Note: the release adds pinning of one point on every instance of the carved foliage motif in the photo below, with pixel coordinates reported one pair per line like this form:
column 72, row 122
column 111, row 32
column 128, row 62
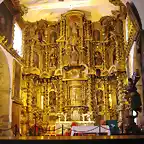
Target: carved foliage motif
column 67, row 54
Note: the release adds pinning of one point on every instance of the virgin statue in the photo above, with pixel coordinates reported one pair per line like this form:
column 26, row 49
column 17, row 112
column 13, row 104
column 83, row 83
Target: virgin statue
column 74, row 56
column 74, row 33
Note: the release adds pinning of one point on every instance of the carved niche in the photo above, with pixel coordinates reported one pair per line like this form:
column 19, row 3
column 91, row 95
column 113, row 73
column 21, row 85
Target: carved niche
column 74, row 29
column 36, row 59
column 98, row 58
column 96, row 35
column 53, row 37
column 52, row 100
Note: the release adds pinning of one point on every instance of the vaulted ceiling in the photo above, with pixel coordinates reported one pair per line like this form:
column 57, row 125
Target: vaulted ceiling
column 52, row 9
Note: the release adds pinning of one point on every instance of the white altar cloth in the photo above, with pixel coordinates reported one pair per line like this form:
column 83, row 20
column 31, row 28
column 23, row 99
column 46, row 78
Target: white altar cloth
column 90, row 129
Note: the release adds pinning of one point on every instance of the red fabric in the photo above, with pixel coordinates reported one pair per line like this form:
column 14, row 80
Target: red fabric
column 79, row 134
column 36, row 129
column 66, row 134
column 74, row 124
column 102, row 122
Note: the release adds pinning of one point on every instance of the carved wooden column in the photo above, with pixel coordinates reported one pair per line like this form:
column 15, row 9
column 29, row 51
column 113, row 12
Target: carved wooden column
column 87, row 43
column 47, row 62
column 29, row 100
column 89, row 93
column 58, row 98
column 120, row 70
column 62, row 43
column 31, row 53
column 44, row 95
column 106, row 85
column 120, row 97
column 61, row 94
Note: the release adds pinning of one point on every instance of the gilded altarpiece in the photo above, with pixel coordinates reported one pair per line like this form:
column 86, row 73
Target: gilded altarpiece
column 72, row 64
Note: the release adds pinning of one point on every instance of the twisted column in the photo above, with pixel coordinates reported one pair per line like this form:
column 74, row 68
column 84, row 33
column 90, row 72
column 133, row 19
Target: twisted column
column 29, row 100
column 107, row 99
column 87, row 44
column 120, row 94
column 31, row 53
column 47, row 59
column 61, row 94
column 45, row 95
column 89, row 94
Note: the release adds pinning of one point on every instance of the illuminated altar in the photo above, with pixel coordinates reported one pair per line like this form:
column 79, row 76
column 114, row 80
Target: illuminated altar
column 74, row 70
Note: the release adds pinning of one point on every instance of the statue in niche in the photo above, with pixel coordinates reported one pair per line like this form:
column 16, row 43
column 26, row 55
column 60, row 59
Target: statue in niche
column 75, row 96
column 98, row 58
column 52, row 100
column 107, row 58
column 36, row 60
column 96, row 35
column 75, row 115
column 74, row 33
column 74, row 56
column 52, row 58
column 74, row 29
column 134, row 96
column 74, row 73
column 53, row 85
column 99, row 95
column 53, row 37
column 108, row 24
column 41, row 36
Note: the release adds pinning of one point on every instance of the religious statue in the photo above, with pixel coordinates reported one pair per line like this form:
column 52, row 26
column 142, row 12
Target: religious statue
column 65, row 117
column 74, row 56
column 74, row 34
column 96, row 35
column 133, row 94
column 52, row 58
column 75, row 115
column 98, row 58
column 41, row 36
column 135, row 102
column 52, row 101
column 132, row 128
column 53, row 37
column 89, row 116
column 36, row 60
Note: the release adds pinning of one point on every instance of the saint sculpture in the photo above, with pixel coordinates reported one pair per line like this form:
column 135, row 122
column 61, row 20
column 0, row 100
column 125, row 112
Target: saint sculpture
column 135, row 102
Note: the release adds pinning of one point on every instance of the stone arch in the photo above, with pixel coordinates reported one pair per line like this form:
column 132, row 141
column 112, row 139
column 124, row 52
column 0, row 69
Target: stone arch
column 4, row 93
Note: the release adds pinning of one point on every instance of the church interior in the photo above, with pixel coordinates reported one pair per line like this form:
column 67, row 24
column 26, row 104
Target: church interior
column 69, row 62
